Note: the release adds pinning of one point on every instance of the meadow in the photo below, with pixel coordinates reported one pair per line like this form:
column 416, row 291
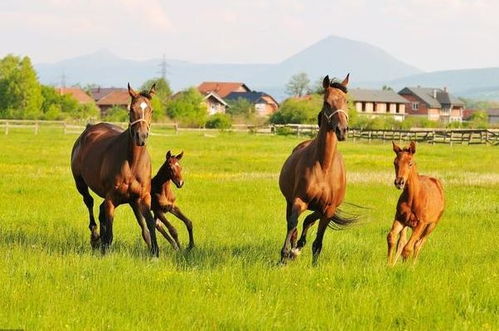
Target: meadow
column 51, row 279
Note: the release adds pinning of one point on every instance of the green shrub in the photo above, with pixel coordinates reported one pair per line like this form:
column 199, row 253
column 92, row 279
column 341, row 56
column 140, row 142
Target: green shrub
column 219, row 121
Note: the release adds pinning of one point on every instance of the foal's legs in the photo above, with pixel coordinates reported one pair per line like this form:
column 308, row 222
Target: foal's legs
column 307, row 224
column 106, row 216
column 188, row 224
column 415, row 236
column 175, row 243
column 419, row 244
column 89, row 202
column 317, row 245
column 402, row 242
column 391, row 239
column 293, row 211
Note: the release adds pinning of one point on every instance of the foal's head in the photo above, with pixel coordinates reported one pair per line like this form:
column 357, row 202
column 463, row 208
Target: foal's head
column 404, row 162
column 172, row 170
column 335, row 107
column 140, row 112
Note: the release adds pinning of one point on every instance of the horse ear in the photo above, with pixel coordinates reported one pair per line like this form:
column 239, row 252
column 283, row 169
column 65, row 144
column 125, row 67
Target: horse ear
column 178, row 157
column 326, row 82
column 132, row 92
column 396, row 148
column 345, row 81
column 152, row 91
column 168, row 155
column 412, row 147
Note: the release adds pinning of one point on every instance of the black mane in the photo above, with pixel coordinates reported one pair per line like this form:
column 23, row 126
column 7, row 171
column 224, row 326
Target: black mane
column 339, row 86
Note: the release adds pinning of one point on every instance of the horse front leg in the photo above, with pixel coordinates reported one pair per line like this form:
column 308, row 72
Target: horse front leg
column 106, row 216
column 140, row 215
column 145, row 208
column 415, row 236
column 159, row 216
column 391, row 240
column 188, row 224
column 293, row 211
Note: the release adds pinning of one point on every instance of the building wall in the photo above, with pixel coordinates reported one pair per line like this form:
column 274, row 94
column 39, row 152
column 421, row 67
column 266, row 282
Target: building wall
column 433, row 114
column 423, row 108
column 214, row 107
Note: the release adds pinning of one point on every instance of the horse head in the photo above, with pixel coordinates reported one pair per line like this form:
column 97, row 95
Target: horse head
column 173, row 168
column 404, row 163
column 335, row 107
column 140, row 113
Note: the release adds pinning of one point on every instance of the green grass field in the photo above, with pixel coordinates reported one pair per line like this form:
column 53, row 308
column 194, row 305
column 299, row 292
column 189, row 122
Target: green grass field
column 51, row 279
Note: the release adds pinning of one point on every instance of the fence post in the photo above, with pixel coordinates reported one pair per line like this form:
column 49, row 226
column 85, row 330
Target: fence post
column 6, row 127
column 175, row 125
column 36, row 127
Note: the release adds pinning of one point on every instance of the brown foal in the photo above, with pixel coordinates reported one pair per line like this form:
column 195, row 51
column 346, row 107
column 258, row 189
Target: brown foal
column 419, row 207
column 163, row 199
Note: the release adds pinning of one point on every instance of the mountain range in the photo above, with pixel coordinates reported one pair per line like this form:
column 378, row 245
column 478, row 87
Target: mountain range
column 369, row 66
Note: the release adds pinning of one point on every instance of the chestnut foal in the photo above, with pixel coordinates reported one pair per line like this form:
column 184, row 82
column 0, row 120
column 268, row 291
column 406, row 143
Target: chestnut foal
column 163, row 199
column 420, row 206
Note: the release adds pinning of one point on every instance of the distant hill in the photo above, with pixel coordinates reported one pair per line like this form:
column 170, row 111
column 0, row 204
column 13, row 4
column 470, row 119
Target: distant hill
column 332, row 55
column 369, row 66
column 480, row 83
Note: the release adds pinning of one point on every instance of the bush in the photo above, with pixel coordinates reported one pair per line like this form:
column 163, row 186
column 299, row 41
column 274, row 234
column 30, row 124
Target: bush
column 116, row 114
column 298, row 111
column 219, row 121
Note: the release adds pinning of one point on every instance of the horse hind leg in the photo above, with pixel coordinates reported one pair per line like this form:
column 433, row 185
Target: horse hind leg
column 317, row 245
column 89, row 202
column 307, row 224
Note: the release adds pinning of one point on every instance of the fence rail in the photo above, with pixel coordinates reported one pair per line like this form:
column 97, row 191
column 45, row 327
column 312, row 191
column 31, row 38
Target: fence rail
column 433, row 136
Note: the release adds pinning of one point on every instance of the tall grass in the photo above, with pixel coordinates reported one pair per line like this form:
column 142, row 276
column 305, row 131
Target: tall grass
column 50, row 278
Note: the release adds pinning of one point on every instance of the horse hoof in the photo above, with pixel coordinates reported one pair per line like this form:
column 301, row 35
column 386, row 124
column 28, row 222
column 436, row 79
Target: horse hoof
column 294, row 253
column 95, row 242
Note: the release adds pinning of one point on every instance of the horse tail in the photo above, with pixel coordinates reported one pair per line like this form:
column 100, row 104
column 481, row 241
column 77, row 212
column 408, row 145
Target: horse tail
column 343, row 219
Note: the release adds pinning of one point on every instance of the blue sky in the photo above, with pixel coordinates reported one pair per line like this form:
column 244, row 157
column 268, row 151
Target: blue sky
column 429, row 34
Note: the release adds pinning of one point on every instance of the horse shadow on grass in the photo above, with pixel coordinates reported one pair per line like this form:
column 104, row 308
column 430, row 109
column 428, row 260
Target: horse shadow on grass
column 208, row 255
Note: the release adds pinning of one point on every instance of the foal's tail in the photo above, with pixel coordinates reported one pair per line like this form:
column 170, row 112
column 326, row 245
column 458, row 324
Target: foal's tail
column 342, row 218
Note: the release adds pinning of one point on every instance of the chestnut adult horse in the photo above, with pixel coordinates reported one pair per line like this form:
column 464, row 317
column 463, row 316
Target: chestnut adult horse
column 419, row 207
column 313, row 177
column 115, row 164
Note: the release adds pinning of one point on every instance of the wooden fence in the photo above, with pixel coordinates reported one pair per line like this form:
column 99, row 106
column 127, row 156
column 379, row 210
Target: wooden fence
column 433, row 136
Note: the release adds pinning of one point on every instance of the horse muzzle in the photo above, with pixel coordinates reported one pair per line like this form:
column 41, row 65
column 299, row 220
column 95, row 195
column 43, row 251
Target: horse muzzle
column 399, row 183
column 179, row 183
column 341, row 133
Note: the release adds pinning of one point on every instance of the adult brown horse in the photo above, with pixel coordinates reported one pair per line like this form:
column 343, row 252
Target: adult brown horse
column 313, row 177
column 163, row 199
column 419, row 207
column 115, row 164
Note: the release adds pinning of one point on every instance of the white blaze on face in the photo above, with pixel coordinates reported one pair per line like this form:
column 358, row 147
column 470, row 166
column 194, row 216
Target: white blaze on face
column 143, row 106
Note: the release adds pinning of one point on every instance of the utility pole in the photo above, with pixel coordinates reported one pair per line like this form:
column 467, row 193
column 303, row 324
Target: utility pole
column 163, row 67
column 63, row 79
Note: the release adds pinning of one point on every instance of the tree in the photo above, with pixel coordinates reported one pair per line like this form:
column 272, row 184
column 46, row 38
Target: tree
column 386, row 88
column 160, row 99
column 298, row 111
column 20, row 91
column 188, row 108
column 298, row 85
column 241, row 107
